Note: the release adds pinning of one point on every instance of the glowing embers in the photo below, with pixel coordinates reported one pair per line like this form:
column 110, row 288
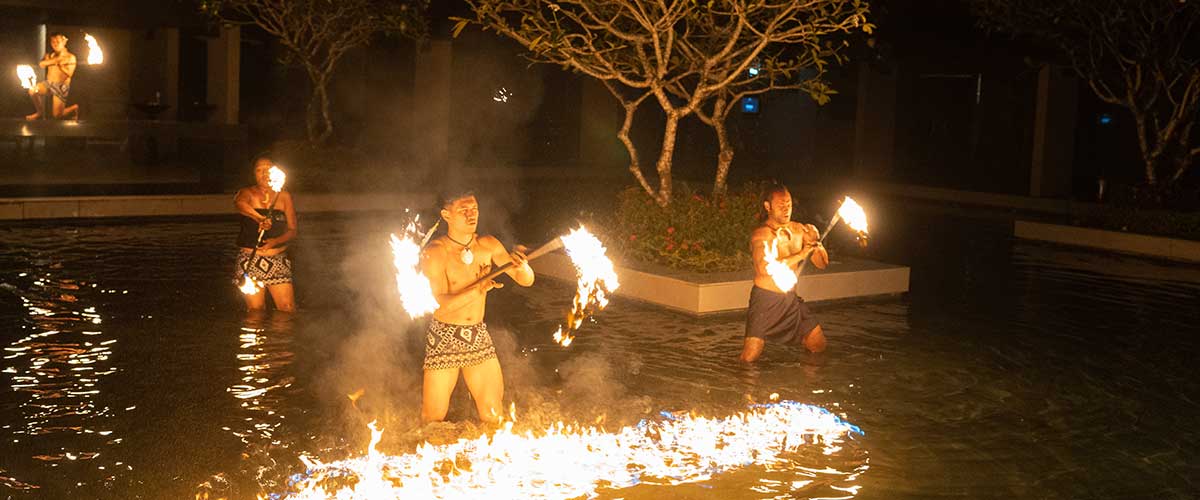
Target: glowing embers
column 572, row 462
column 597, row 279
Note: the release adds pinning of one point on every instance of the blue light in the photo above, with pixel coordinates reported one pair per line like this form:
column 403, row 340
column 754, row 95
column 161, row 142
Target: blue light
column 1105, row 118
column 749, row 104
column 753, row 71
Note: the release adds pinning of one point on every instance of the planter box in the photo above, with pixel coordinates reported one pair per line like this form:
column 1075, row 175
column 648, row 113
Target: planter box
column 1154, row 246
column 706, row 293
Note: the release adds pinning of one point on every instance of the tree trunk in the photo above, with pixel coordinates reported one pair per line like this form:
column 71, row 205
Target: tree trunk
column 664, row 159
column 725, row 153
column 635, row 165
column 1148, row 159
column 318, row 120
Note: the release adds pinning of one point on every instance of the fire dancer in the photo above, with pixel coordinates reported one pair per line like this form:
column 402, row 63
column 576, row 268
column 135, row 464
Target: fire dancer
column 271, row 266
column 457, row 338
column 60, row 67
column 780, row 315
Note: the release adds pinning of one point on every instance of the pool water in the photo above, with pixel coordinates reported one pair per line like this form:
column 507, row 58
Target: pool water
column 1012, row 370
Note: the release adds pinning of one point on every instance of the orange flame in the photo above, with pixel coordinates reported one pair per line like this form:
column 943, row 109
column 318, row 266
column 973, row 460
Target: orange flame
column 27, row 76
column 572, row 461
column 250, row 286
column 853, row 214
column 597, row 279
column 781, row 274
column 416, row 294
column 277, row 178
column 95, row 54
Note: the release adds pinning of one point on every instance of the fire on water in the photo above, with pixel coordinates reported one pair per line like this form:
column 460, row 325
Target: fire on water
column 596, row 280
column 572, row 462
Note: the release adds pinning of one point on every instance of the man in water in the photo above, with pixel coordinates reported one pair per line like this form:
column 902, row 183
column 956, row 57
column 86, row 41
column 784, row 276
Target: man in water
column 271, row 266
column 457, row 338
column 60, row 67
column 780, row 315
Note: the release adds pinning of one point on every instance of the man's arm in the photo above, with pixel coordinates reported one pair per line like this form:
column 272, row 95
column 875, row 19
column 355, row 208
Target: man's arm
column 520, row 272
column 68, row 65
column 758, row 241
column 434, row 267
column 289, row 212
column 48, row 60
column 811, row 241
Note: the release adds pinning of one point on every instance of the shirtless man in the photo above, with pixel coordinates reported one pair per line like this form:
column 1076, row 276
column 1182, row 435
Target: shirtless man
column 457, row 338
column 60, row 67
column 774, row 314
column 272, row 266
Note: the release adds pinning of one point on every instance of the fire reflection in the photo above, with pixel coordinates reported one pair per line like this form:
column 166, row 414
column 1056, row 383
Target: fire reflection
column 55, row 361
column 264, row 353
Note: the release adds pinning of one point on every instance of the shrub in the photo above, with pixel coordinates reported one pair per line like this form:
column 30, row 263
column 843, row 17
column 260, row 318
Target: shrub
column 695, row 233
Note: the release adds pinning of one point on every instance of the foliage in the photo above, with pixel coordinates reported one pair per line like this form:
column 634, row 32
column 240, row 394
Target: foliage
column 695, row 233
column 1141, row 55
column 316, row 34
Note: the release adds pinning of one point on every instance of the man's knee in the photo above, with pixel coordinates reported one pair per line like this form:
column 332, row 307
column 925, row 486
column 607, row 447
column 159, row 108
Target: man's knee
column 815, row 340
column 429, row 414
column 751, row 349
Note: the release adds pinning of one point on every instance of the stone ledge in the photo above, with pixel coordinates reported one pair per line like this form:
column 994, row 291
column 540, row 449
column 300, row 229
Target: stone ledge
column 88, row 207
column 725, row 292
column 1138, row 244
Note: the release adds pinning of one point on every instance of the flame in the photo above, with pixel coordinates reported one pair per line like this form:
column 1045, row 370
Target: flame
column 853, row 214
column 571, row 461
column 250, row 286
column 27, row 76
column 95, row 55
column 783, row 276
column 416, row 294
column 277, row 178
column 597, row 279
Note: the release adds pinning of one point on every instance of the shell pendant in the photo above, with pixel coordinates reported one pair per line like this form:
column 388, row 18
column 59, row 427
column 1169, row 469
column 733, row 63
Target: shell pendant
column 467, row 256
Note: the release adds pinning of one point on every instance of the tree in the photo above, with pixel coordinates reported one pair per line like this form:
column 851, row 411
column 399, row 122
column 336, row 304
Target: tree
column 1143, row 56
column 742, row 48
column 316, row 34
column 629, row 45
column 681, row 53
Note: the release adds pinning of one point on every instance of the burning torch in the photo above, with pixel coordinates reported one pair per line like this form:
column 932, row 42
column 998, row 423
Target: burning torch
column 853, row 214
column 277, row 179
column 550, row 246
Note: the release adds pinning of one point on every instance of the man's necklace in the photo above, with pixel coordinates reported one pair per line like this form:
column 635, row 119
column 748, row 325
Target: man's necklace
column 466, row 255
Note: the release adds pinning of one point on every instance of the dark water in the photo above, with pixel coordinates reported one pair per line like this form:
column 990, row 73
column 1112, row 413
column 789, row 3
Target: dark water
column 1012, row 370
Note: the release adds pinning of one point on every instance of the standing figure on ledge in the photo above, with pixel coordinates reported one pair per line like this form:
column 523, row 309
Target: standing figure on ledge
column 60, row 67
column 271, row 265
column 777, row 315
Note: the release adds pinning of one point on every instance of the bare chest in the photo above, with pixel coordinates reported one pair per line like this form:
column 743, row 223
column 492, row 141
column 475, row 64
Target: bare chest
column 459, row 273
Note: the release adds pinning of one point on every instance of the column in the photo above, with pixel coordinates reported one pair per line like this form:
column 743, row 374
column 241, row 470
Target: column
column 224, row 65
column 1053, row 134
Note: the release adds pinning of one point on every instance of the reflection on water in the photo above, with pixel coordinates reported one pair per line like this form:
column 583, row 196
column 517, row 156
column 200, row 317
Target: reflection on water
column 57, row 362
column 263, row 357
